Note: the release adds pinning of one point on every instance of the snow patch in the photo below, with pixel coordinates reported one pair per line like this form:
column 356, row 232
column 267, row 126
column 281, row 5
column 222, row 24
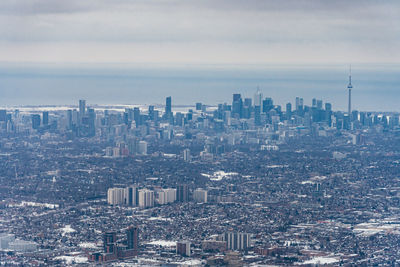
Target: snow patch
column 162, row 243
column 219, row 175
column 67, row 230
column 88, row 245
column 321, row 260
column 72, row 259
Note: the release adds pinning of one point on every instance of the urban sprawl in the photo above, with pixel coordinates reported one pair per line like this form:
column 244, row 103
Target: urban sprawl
column 239, row 184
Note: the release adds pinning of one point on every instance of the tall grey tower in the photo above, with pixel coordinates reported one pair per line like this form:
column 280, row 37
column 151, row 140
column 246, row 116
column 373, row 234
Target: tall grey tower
column 349, row 87
column 258, row 98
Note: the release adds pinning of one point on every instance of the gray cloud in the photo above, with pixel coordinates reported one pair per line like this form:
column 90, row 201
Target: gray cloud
column 37, row 7
column 363, row 26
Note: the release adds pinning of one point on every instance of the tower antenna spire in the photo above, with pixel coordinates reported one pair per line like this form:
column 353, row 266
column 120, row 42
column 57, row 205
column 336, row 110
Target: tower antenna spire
column 350, row 75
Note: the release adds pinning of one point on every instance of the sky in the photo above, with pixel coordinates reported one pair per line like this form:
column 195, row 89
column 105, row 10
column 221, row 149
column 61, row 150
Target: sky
column 200, row 32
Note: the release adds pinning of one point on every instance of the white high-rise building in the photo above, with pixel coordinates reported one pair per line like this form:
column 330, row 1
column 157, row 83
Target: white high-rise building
column 142, row 149
column 258, row 98
column 170, row 195
column 237, row 241
column 146, row 198
column 161, row 197
column 116, row 152
column 165, row 196
column 200, row 195
column 116, row 196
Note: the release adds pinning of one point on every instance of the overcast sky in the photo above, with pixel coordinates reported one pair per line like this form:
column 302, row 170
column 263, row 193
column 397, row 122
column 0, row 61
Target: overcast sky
column 203, row 31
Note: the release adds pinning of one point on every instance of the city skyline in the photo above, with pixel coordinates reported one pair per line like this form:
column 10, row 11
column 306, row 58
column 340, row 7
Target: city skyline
column 376, row 88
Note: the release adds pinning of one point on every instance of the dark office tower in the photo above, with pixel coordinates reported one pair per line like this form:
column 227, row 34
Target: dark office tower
column 297, row 103
column 35, row 121
column 278, row 109
column 247, row 102
column 136, row 116
column 109, row 240
column 268, row 104
column 133, row 238
column 156, row 115
column 328, row 106
column 198, row 106
column 45, row 118
column 220, row 112
column 151, row 113
column 289, row 107
column 91, row 122
column 82, row 110
column 69, row 119
column 257, row 115
column 349, row 87
column 288, row 111
column 168, row 106
column 189, row 115
column 236, row 97
column 132, row 191
column 179, row 118
column 237, row 105
column 182, row 193
column 363, row 118
column 82, row 107
column 314, row 103
column 183, row 248
column 125, row 117
column 3, row 115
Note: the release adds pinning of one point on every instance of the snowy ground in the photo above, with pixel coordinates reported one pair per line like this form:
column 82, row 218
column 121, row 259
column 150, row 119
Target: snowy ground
column 160, row 219
column 34, row 204
column 219, row 175
column 388, row 226
column 162, row 243
column 88, row 245
column 322, row 260
column 72, row 259
column 67, row 230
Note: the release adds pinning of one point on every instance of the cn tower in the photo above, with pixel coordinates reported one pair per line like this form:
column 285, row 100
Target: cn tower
column 349, row 87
